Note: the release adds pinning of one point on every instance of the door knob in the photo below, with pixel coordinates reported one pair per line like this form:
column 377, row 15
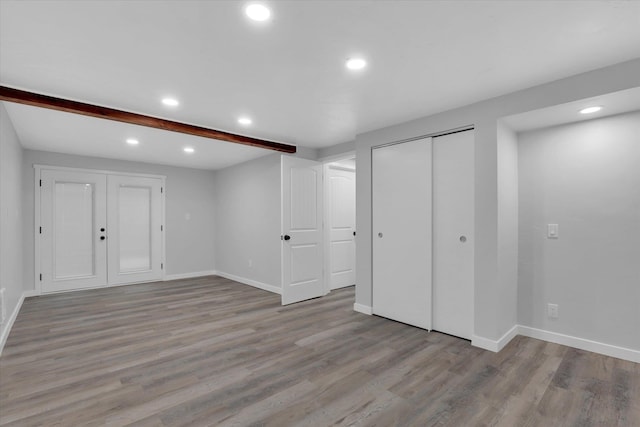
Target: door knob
column 463, row 239
column 102, row 237
column 354, row 233
column 102, row 229
column 380, row 235
column 287, row 237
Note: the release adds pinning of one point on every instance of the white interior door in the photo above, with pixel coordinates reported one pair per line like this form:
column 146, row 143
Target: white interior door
column 453, row 233
column 302, row 255
column 401, row 179
column 341, row 223
column 134, row 229
column 73, row 219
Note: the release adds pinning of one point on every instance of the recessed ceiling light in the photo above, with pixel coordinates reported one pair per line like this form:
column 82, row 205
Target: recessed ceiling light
column 171, row 102
column 257, row 12
column 132, row 141
column 246, row 121
column 356, row 63
column 188, row 150
column 590, row 110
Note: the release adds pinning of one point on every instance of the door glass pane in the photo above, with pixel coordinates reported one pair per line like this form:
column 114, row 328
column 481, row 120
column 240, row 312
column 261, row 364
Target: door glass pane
column 135, row 228
column 74, row 225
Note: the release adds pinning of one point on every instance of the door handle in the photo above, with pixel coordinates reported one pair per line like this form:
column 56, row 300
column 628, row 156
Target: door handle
column 463, row 239
column 102, row 237
column 287, row 237
column 102, row 230
column 354, row 233
column 380, row 235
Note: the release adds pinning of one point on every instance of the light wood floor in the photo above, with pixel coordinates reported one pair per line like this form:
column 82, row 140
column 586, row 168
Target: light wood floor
column 210, row 351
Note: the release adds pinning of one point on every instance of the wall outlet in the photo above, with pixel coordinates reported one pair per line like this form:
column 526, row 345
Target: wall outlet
column 552, row 311
column 552, row 231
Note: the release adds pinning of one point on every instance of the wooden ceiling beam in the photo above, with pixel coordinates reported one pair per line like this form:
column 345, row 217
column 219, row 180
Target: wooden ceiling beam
column 53, row 103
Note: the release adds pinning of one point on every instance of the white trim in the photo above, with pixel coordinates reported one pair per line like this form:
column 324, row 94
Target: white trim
column 250, row 282
column 38, row 168
column 189, row 275
column 326, row 232
column 37, row 220
column 495, row 345
column 361, row 308
column 335, row 157
column 9, row 323
column 581, row 343
column 554, row 337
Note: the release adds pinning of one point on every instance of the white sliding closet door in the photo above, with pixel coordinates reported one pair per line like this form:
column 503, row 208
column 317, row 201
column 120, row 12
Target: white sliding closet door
column 453, row 233
column 401, row 179
column 134, row 229
column 71, row 231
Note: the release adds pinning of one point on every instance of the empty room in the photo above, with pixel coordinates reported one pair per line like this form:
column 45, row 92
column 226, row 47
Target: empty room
column 282, row 213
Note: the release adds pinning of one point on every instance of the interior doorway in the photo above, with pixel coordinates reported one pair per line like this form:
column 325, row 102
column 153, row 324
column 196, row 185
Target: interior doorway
column 340, row 223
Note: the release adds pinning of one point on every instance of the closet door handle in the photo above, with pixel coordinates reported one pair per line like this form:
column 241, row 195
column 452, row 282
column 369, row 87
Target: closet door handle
column 287, row 237
column 102, row 237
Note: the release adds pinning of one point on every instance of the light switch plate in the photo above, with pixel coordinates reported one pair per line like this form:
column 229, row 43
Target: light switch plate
column 552, row 231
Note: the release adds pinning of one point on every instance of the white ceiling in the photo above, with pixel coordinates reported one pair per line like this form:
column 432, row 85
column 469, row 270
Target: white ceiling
column 288, row 74
column 49, row 130
column 614, row 103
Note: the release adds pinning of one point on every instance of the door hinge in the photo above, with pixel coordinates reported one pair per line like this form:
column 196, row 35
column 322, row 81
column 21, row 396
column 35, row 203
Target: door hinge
column 161, row 190
column 41, row 277
column 161, row 266
column 40, row 230
column 162, row 228
column 40, row 183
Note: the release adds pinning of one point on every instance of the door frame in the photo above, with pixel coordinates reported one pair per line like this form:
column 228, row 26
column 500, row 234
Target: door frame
column 327, row 214
column 37, row 215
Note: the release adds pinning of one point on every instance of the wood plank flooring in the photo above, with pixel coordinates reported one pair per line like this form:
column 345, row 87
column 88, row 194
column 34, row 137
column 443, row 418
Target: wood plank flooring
column 210, row 351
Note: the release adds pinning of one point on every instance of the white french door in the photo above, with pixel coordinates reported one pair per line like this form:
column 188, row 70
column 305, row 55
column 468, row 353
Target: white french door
column 401, row 180
column 302, row 254
column 73, row 247
column 98, row 229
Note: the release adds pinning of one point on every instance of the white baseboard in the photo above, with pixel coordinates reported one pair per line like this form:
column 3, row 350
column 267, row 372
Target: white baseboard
column 250, row 282
column 189, row 275
column 554, row 337
column 581, row 343
column 495, row 345
column 9, row 323
column 364, row 309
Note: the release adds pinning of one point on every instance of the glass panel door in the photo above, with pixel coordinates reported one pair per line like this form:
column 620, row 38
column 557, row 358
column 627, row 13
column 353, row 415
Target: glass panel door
column 135, row 235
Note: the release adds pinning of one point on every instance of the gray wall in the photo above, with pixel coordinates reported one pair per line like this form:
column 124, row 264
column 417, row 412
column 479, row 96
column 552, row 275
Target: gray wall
column 585, row 177
column 248, row 220
column 189, row 243
column 484, row 116
column 11, row 216
column 507, row 224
